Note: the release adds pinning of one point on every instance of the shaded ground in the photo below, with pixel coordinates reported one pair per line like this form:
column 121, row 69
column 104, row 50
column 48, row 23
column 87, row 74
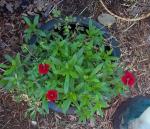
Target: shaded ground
column 134, row 38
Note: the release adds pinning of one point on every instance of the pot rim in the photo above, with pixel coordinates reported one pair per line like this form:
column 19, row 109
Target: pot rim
column 84, row 22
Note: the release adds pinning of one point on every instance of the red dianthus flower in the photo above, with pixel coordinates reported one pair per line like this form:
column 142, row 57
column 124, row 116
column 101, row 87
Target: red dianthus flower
column 52, row 95
column 128, row 79
column 43, row 68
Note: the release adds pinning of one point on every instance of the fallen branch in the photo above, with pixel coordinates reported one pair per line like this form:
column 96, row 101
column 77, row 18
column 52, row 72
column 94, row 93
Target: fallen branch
column 123, row 18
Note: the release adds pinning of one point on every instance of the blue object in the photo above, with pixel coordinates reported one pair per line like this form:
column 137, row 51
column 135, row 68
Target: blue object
column 130, row 110
column 54, row 107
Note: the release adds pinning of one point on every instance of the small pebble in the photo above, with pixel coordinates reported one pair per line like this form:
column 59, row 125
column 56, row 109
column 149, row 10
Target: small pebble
column 34, row 123
column 72, row 118
column 9, row 6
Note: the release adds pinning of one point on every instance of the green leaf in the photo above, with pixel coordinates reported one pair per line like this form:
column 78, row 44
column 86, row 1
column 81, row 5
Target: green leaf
column 8, row 58
column 80, row 60
column 73, row 74
column 54, row 70
column 92, row 79
column 97, row 69
column 73, row 61
column 60, row 90
column 100, row 113
column 10, row 71
column 42, row 33
column 66, row 105
column 2, row 81
column 66, row 84
column 9, row 86
column 33, row 115
column 73, row 97
column 27, row 58
column 41, row 111
column 110, row 52
column 79, row 69
column 18, row 61
column 3, row 65
column 56, row 12
column 36, row 20
column 45, row 105
column 27, row 20
column 55, row 61
column 28, row 31
column 80, row 52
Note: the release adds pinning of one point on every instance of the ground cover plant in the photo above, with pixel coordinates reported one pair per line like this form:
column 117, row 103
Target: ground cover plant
column 70, row 67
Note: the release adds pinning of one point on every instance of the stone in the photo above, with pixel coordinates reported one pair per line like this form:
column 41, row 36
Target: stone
column 106, row 19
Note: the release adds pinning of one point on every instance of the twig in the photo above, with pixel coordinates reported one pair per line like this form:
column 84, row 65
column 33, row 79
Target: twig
column 55, row 6
column 130, row 25
column 83, row 10
column 2, row 70
column 6, row 124
column 50, row 8
column 123, row 18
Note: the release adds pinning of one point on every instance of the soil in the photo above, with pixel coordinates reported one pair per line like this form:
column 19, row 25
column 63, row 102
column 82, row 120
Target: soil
column 11, row 113
column 134, row 38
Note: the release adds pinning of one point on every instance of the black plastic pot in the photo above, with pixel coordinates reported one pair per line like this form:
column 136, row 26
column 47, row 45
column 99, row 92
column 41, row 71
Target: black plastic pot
column 84, row 22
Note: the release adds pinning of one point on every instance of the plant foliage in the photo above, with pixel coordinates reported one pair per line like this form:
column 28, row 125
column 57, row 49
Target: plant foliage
column 85, row 75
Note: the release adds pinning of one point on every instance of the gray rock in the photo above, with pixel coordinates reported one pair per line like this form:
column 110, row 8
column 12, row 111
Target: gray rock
column 106, row 19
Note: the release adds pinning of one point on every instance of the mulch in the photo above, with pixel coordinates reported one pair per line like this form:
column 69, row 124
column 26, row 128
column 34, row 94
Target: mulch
column 134, row 38
column 12, row 113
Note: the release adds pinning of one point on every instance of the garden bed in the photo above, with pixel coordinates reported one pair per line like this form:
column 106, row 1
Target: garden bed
column 135, row 46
